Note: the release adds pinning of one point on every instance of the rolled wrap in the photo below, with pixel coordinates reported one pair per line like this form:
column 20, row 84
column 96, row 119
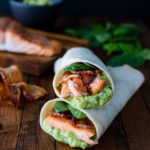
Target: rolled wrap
column 74, row 55
column 126, row 81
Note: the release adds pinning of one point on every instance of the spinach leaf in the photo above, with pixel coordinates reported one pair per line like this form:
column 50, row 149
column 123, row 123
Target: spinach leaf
column 111, row 47
column 121, row 39
column 76, row 113
column 132, row 60
column 79, row 66
column 71, row 32
column 145, row 54
column 61, row 106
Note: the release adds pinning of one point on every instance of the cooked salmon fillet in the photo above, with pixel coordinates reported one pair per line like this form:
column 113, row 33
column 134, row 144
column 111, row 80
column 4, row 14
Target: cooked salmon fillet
column 81, row 83
column 76, row 86
column 4, row 22
column 80, row 130
column 97, row 85
column 65, row 91
column 19, row 40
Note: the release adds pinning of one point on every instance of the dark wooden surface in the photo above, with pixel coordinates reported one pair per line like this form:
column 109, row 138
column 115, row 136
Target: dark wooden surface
column 20, row 129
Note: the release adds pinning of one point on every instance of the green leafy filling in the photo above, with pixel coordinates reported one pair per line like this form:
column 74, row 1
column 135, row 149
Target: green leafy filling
column 63, row 106
column 80, row 66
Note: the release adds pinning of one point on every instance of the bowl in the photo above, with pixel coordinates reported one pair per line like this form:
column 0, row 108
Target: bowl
column 35, row 16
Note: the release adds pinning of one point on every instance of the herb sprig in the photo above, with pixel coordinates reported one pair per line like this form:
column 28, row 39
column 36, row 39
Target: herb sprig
column 122, row 39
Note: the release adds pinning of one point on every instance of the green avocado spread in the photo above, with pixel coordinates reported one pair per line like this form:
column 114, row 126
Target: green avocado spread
column 96, row 100
column 65, row 137
column 38, row 2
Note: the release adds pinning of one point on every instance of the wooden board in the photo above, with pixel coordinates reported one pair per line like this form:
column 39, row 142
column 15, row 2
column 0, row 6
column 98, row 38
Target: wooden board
column 20, row 129
column 38, row 65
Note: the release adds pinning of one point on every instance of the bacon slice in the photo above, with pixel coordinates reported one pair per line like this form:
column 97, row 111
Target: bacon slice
column 13, row 89
column 19, row 40
column 84, row 129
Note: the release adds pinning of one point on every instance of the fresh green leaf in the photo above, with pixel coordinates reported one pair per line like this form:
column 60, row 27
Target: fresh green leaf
column 76, row 113
column 127, row 47
column 61, row 106
column 111, row 47
column 102, row 36
column 110, row 27
column 71, row 32
column 132, row 60
column 123, row 39
column 145, row 54
column 79, row 66
column 87, row 64
column 127, row 29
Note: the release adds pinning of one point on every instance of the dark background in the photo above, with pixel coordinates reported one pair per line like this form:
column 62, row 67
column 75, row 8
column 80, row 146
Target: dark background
column 134, row 9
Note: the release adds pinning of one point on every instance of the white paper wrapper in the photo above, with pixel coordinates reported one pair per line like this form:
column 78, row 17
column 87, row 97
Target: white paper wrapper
column 77, row 54
column 126, row 81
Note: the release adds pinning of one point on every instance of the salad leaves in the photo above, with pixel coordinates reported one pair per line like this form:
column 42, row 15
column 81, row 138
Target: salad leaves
column 80, row 66
column 120, row 39
column 62, row 106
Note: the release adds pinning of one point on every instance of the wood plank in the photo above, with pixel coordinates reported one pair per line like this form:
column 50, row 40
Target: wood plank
column 10, row 119
column 136, row 121
column 31, row 136
column 145, row 90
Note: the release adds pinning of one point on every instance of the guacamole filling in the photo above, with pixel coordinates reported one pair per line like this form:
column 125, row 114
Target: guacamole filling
column 85, row 86
column 38, row 2
column 65, row 137
column 70, row 125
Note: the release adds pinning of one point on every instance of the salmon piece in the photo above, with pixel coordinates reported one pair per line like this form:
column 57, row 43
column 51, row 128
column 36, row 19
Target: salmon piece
column 19, row 40
column 97, row 85
column 65, row 91
column 76, row 86
column 4, row 22
column 66, row 76
column 83, row 133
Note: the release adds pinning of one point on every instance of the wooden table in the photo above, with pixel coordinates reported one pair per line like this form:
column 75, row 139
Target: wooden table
column 129, row 131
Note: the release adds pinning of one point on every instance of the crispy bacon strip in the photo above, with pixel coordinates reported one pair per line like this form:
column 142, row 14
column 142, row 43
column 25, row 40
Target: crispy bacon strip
column 13, row 90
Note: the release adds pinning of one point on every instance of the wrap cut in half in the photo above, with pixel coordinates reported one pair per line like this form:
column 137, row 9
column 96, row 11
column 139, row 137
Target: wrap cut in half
column 13, row 89
column 82, row 79
column 83, row 127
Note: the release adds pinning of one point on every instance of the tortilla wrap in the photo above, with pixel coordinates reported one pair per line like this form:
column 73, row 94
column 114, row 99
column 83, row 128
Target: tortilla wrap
column 74, row 55
column 126, row 81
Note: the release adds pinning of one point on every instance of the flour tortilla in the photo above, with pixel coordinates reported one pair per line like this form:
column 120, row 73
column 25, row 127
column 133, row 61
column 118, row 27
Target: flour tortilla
column 126, row 81
column 74, row 55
